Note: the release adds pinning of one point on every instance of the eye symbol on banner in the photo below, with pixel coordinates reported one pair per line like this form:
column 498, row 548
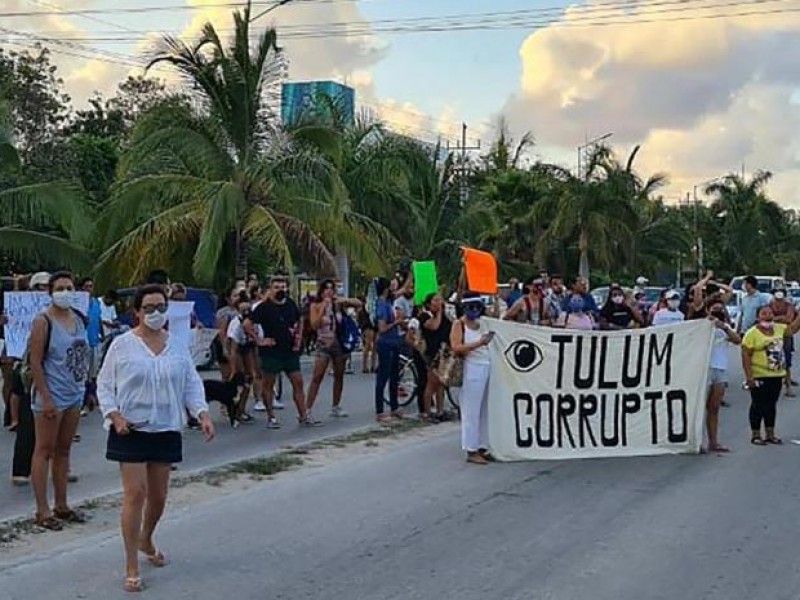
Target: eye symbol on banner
column 524, row 356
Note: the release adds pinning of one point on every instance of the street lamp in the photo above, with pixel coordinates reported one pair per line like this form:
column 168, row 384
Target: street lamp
column 698, row 237
column 589, row 144
column 278, row 4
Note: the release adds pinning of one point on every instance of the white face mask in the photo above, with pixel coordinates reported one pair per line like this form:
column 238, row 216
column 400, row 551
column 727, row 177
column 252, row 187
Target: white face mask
column 779, row 296
column 62, row 299
column 155, row 320
column 673, row 304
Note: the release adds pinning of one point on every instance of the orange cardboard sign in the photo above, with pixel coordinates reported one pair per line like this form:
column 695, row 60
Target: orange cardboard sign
column 481, row 268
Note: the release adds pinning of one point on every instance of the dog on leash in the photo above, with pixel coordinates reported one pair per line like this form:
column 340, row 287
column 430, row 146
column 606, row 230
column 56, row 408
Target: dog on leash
column 226, row 393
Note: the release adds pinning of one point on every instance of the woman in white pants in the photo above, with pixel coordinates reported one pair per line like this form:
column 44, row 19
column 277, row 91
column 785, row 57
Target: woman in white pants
column 471, row 340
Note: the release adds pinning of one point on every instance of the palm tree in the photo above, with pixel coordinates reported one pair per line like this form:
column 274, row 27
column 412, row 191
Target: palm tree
column 47, row 223
column 597, row 210
column 222, row 178
column 751, row 224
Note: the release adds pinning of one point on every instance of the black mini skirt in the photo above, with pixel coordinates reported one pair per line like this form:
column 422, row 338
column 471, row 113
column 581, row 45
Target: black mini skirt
column 142, row 447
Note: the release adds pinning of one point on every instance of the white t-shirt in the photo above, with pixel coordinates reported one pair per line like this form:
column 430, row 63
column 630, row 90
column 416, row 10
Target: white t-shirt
column 236, row 331
column 719, row 351
column 666, row 316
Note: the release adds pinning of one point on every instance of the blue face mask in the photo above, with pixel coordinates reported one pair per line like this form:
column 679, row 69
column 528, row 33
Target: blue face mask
column 473, row 313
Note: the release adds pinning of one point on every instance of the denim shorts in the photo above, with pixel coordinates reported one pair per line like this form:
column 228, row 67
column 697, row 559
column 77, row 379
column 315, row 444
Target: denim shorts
column 717, row 377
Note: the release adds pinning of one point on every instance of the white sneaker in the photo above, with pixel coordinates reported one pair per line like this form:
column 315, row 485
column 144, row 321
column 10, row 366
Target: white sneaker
column 259, row 406
column 311, row 421
column 273, row 423
column 278, row 405
column 338, row 412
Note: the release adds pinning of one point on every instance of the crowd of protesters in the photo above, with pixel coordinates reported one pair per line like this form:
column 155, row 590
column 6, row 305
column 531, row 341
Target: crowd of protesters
column 148, row 390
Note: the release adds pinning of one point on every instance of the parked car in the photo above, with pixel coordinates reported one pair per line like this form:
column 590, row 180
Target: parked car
column 205, row 309
column 734, row 308
column 766, row 283
column 794, row 294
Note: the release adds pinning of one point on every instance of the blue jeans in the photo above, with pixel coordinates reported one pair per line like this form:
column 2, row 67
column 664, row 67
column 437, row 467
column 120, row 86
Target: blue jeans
column 388, row 372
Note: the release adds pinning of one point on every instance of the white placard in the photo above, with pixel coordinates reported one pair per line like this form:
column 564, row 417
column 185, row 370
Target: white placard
column 21, row 308
column 179, row 320
column 557, row 394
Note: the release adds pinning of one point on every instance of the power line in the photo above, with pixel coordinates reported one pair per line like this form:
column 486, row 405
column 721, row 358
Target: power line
column 511, row 20
column 146, row 9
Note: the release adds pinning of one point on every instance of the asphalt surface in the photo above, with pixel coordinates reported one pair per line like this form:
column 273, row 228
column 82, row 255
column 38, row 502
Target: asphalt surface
column 416, row 521
column 97, row 476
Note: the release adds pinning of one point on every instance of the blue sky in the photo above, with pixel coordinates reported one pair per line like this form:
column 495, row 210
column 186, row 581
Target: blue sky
column 702, row 96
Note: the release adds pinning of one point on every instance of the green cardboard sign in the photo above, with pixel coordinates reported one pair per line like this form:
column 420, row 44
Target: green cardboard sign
column 425, row 281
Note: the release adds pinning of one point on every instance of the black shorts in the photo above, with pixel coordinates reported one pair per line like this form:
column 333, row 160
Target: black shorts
column 142, row 447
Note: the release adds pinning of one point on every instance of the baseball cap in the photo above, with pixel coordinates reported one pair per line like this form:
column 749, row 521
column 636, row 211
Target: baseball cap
column 40, row 278
column 672, row 295
column 642, row 280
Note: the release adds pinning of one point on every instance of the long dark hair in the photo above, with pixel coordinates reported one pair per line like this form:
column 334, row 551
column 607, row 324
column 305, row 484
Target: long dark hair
column 323, row 285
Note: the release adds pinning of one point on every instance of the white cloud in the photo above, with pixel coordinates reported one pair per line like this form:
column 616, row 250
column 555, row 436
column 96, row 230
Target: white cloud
column 702, row 96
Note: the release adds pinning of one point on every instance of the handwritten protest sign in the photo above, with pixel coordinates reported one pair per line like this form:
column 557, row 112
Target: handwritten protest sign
column 425, row 281
column 22, row 308
column 179, row 320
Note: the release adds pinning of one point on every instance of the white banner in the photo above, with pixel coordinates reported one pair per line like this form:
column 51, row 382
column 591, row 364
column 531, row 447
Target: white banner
column 201, row 347
column 556, row 394
column 21, row 308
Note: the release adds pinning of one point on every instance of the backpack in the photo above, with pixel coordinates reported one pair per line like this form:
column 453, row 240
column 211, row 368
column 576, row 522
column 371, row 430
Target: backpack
column 347, row 333
column 23, row 367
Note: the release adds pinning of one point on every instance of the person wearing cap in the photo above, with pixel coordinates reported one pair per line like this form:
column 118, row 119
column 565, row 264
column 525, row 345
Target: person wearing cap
column 470, row 338
column 641, row 282
column 669, row 315
column 40, row 281
column 531, row 308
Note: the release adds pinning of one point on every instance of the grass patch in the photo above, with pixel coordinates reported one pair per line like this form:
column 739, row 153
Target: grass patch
column 264, row 467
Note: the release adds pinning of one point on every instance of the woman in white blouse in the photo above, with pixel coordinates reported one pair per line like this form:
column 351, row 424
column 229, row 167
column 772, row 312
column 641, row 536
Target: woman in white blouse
column 145, row 387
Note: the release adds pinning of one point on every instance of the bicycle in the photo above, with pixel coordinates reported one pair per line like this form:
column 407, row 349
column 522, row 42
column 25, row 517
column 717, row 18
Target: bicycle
column 408, row 387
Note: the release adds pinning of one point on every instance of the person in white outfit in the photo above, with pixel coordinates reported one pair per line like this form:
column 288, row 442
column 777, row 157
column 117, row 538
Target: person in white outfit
column 470, row 339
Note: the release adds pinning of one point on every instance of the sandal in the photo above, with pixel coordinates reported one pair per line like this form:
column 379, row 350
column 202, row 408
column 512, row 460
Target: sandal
column 718, row 448
column 157, row 558
column 70, row 516
column 774, row 440
column 757, row 441
column 133, row 585
column 476, row 458
column 51, row 523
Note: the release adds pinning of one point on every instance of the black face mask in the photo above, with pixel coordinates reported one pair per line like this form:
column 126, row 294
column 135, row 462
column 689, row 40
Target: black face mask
column 280, row 295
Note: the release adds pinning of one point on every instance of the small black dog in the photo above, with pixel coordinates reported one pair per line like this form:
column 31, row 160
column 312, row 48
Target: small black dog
column 225, row 392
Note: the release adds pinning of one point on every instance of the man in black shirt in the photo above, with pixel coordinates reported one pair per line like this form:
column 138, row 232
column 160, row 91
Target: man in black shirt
column 279, row 348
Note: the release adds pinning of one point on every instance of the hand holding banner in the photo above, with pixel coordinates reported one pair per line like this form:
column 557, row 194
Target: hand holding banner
column 481, row 270
column 425, row 281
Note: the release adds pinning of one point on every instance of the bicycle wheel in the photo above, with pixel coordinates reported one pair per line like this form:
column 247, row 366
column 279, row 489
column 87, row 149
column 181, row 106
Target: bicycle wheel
column 453, row 397
column 408, row 388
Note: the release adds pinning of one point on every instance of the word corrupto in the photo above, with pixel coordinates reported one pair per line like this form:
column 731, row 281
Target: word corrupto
column 598, row 401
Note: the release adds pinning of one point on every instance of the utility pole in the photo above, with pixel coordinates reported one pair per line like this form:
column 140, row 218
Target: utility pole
column 462, row 149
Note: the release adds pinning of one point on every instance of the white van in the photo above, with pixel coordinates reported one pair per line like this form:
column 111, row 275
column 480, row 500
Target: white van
column 766, row 283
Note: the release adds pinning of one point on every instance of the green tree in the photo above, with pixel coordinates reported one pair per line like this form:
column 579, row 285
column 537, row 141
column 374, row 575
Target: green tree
column 43, row 225
column 222, row 181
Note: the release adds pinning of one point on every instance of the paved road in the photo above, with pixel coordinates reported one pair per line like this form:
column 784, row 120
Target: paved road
column 418, row 522
column 98, row 476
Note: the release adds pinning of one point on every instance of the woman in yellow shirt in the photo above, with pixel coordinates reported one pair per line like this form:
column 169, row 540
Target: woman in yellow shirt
column 764, row 364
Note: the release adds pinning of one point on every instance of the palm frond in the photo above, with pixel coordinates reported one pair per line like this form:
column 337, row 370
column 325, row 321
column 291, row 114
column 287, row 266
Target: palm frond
column 44, row 249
